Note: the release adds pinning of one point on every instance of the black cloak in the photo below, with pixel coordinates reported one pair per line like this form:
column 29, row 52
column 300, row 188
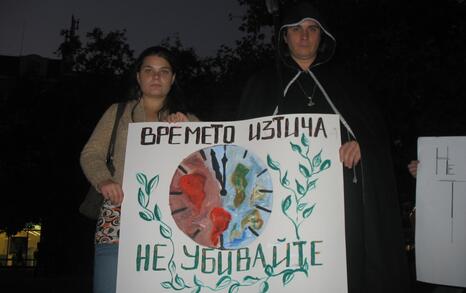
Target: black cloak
column 376, row 261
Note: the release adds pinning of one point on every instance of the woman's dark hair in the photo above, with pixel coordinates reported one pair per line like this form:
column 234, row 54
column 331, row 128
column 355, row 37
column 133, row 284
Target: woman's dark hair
column 174, row 102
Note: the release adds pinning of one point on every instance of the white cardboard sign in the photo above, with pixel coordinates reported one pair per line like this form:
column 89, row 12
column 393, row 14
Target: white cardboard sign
column 246, row 206
column 441, row 211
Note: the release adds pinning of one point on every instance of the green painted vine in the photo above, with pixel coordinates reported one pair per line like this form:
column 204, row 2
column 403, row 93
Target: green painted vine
column 299, row 194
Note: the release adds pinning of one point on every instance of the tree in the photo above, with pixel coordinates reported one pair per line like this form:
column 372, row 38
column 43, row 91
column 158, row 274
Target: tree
column 103, row 54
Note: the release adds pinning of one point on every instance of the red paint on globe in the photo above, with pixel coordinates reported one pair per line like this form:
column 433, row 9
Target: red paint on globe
column 220, row 219
column 193, row 186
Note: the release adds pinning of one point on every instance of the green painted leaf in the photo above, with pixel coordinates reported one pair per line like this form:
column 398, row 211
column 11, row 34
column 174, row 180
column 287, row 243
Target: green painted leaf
column 272, row 164
column 296, row 148
column 157, row 213
column 180, row 281
column 223, row 282
column 307, row 212
column 300, row 188
column 165, row 231
column 269, row 270
column 304, row 171
column 145, row 216
column 196, row 290
column 285, row 181
column 281, row 239
column 142, row 199
column 250, row 280
column 142, row 179
column 234, row 288
column 304, row 140
column 152, row 183
column 264, row 287
column 325, row 165
column 287, row 277
column 198, row 282
column 317, row 160
column 311, row 185
column 167, row 285
column 301, row 206
column 172, row 267
column 306, row 268
column 286, row 203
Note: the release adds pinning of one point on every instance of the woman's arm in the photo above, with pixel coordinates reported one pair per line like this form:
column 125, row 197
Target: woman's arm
column 94, row 154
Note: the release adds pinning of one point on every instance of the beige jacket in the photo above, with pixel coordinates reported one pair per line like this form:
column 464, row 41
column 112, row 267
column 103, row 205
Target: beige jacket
column 93, row 156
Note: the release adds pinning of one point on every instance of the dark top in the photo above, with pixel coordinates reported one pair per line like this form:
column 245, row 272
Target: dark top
column 376, row 261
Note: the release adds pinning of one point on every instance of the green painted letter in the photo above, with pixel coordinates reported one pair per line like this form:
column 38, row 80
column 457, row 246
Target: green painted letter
column 314, row 253
column 195, row 257
column 139, row 257
column 156, row 257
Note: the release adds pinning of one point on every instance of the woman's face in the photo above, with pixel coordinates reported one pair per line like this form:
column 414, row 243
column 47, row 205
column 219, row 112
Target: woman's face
column 155, row 77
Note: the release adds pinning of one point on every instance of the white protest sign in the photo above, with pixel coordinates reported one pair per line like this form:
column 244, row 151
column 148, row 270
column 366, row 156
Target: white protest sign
column 246, row 206
column 441, row 211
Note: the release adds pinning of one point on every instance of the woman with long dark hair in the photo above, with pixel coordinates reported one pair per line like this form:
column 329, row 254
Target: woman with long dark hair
column 154, row 96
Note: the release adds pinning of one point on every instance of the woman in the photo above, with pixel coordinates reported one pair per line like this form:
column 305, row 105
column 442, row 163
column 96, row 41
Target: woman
column 154, row 97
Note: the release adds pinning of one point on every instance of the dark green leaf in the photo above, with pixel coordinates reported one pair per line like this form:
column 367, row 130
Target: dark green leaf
column 167, row 285
column 325, row 165
column 269, row 270
column 306, row 267
column 304, row 140
column 307, row 212
column 287, row 277
column 152, row 183
column 223, row 282
column 172, row 267
column 300, row 188
column 301, row 206
column 196, row 290
column 285, row 181
column 264, row 287
column 311, row 185
column 198, row 282
column 165, row 231
column 142, row 179
column 180, row 281
column 142, row 199
column 272, row 164
column 286, row 203
column 317, row 160
column 296, row 148
column 146, row 216
column 250, row 280
column 304, row 171
column 157, row 213
column 234, row 288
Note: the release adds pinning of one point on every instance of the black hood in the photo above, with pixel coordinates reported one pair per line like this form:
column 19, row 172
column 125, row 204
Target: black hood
column 295, row 15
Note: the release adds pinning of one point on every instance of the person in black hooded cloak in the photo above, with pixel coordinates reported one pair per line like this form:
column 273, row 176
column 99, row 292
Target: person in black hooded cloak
column 305, row 81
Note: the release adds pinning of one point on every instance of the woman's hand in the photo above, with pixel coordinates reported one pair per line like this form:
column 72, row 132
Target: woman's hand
column 177, row 117
column 412, row 167
column 350, row 154
column 112, row 191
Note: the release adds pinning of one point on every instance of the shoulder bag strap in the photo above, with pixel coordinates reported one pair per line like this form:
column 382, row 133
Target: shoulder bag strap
column 111, row 146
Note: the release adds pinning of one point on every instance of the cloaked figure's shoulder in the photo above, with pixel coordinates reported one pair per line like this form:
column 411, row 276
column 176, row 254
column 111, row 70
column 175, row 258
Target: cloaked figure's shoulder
column 260, row 94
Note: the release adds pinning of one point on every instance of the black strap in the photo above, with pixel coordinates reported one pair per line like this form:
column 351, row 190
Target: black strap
column 111, row 146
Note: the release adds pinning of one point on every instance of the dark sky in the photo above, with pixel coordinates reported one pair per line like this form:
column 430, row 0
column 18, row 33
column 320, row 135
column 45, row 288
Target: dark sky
column 33, row 26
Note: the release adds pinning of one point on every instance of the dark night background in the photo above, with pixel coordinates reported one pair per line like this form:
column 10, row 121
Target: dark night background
column 410, row 54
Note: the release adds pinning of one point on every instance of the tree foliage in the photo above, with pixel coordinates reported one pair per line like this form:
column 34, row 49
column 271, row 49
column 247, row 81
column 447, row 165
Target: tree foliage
column 103, row 54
